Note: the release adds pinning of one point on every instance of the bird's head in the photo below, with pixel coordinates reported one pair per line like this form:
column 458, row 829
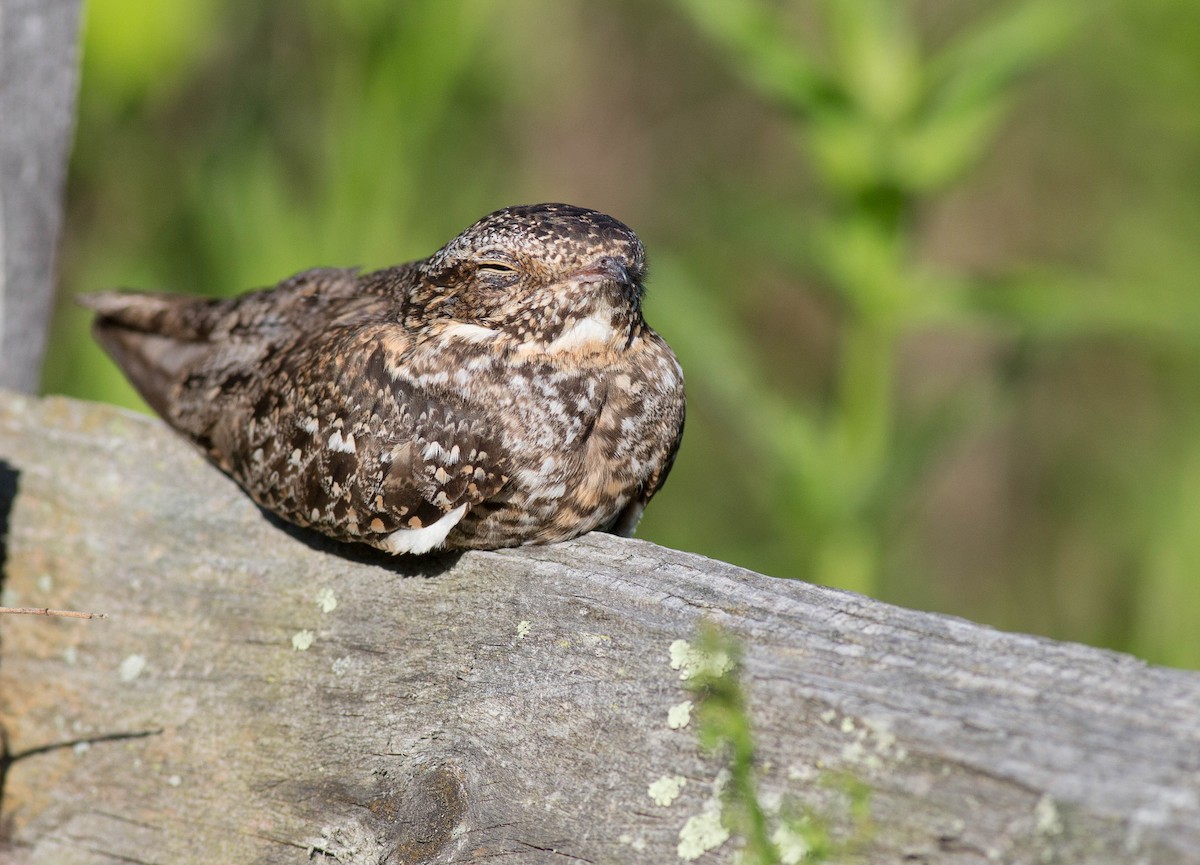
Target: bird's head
column 546, row 276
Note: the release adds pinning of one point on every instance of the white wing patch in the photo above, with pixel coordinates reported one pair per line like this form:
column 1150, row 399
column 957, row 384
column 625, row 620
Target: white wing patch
column 472, row 333
column 342, row 445
column 422, row 540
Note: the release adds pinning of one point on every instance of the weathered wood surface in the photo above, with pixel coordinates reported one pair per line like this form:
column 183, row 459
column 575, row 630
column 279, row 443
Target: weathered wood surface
column 38, row 78
column 420, row 726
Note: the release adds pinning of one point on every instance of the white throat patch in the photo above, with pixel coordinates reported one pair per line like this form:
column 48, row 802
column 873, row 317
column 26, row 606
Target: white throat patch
column 595, row 330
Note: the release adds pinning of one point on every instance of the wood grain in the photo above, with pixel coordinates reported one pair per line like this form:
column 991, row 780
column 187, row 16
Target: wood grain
column 423, row 722
column 39, row 74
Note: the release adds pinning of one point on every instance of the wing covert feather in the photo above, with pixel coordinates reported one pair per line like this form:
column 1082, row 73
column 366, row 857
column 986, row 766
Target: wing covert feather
column 347, row 441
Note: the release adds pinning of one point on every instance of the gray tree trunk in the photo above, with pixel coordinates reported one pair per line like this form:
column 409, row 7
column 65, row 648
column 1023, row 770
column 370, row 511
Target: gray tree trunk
column 38, row 79
column 257, row 696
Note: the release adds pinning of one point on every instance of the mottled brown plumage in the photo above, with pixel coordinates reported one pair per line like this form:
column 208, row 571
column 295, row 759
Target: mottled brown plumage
column 506, row 390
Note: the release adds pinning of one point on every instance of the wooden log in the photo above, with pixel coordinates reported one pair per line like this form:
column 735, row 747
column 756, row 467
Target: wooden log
column 38, row 81
column 260, row 695
column 39, row 74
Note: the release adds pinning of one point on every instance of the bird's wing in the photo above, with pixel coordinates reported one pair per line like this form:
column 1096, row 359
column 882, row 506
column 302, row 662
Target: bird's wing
column 340, row 435
column 303, row 396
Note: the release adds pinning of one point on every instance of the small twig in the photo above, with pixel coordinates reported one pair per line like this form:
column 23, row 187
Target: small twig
column 46, row 611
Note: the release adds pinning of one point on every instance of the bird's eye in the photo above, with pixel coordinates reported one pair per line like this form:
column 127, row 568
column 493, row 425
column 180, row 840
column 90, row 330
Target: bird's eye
column 496, row 272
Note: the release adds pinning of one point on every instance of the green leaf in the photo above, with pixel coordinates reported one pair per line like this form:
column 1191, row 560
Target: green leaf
column 721, row 361
column 766, row 55
column 1050, row 304
column 133, row 48
column 930, row 155
column 981, row 64
column 847, row 148
column 878, row 57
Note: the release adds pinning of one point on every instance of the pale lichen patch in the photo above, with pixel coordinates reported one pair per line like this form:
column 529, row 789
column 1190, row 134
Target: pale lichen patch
column 1048, row 821
column 666, row 789
column 884, row 740
column 872, row 743
column 326, row 600
column 301, row 640
column 856, row 752
column 637, row 844
column 806, row 774
column 702, row 832
column 131, row 668
column 522, row 629
column 705, row 831
column 793, row 847
column 691, row 661
column 679, row 715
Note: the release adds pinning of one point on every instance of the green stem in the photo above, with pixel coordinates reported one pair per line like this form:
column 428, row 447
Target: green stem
column 864, row 404
column 847, row 556
column 862, row 414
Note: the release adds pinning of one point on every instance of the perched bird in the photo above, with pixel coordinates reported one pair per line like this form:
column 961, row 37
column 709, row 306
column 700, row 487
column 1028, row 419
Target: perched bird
column 504, row 391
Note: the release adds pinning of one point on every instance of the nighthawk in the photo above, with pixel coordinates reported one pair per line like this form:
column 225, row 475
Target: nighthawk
column 504, row 391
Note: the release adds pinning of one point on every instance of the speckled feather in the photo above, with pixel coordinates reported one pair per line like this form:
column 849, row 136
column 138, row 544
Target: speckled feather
column 506, row 390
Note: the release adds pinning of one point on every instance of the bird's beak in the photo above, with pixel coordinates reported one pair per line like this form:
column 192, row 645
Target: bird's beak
column 606, row 269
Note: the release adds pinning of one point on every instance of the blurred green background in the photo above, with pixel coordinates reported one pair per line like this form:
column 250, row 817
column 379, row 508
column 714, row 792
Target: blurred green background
column 931, row 267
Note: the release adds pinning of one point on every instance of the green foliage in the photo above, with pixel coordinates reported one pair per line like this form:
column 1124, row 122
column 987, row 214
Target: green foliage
column 885, row 127
column 239, row 193
column 829, row 190
column 723, row 725
column 796, row 833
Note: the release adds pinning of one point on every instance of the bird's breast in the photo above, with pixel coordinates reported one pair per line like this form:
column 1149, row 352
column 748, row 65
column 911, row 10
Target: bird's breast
column 582, row 441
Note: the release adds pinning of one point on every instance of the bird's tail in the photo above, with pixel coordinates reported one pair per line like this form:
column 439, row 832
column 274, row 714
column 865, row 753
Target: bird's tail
column 152, row 338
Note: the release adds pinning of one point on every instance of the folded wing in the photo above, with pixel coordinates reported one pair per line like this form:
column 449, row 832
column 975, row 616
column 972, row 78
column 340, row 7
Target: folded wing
column 324, row 427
